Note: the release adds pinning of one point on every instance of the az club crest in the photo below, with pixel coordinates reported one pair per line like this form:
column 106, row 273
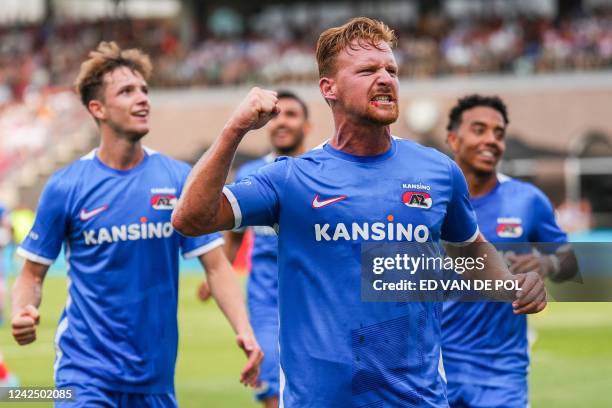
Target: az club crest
column 417, row 199
column 509, row 227
column 163, row 202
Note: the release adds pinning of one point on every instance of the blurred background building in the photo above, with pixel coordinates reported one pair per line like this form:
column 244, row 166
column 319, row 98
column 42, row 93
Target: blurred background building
column 551, row 60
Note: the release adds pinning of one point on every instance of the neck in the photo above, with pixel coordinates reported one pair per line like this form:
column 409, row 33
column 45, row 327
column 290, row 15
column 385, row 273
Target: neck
column 360, row 139
column 479, row 184
column 119, row 153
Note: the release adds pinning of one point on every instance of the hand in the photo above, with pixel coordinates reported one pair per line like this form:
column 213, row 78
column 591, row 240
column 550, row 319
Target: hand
column 204, row 291
column 24, row 325
column 259, row 106
column 531, row 298
column 250, row 373
column 530, row 263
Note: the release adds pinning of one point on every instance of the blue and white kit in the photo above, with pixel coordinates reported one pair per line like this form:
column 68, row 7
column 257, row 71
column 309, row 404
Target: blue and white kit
column 335, row 350
column 118, row 331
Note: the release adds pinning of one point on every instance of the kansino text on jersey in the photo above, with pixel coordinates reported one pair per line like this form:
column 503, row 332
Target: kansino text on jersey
column 446, row 285
column 130, row 232
column 377, row 231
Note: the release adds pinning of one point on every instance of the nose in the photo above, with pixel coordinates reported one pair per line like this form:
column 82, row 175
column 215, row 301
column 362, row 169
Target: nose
column 142, row 98
column 384, row 77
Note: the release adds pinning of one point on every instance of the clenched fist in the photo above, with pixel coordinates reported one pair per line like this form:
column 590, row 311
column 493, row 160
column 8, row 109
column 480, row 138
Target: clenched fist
column 24, row 325
column 532, row 296
column 255, row 110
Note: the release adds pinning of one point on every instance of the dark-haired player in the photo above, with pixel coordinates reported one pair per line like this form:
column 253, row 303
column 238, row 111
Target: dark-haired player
column 335, row 350
column 116, row 342
column 485, row 344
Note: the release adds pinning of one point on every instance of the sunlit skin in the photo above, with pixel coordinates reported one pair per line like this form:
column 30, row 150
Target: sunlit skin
column 363, row 74
column 479, row 144
column 122, row 112
column 288, row 129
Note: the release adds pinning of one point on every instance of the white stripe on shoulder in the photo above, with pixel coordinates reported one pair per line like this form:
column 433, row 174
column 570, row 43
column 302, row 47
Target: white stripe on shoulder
column 90, row 155
column 149, row 150
column 502, row 178
column 204, row 248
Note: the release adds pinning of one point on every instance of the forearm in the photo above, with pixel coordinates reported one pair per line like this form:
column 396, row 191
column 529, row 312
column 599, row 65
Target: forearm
column 226, row 290
column 197, row 211
column 564, row 266
column 494, row 267
column 27, row 290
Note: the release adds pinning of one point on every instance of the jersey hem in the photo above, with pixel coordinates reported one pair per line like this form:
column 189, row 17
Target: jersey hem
column 30, row 256
column 204, row 248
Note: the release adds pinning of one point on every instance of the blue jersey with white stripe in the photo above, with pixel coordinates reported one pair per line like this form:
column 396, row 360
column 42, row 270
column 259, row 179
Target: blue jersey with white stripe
column 337, row 351
column 486, row 343
column 262, row 286
column 118, row 330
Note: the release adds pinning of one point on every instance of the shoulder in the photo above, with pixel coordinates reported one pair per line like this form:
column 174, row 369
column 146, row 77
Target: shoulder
column 405, row 146
column 174, row 166
column 523, row 190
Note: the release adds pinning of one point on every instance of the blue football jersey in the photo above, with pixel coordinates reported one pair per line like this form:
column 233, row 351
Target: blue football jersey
column 118, row 330
column 486, row 343
column 262, row 286
column 337, row 351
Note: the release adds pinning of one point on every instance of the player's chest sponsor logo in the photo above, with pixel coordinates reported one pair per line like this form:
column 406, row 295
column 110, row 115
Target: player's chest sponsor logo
column 85, row 214
column 372, row 231
column 318, row 202
column 128, row 232
column 509, row 227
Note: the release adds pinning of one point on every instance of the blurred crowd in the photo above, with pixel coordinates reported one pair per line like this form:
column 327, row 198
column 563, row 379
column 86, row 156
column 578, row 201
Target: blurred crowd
column 41, row 56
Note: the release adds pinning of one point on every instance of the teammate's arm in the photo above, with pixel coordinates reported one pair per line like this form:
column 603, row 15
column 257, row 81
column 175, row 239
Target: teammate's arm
column 233, row 240
column 532, row 296
column 228, row 295
column 203, row 208
column 27, row 295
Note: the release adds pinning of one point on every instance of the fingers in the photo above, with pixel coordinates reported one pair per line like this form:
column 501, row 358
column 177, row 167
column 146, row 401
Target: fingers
column 24, row 329
column 250, row 373
column 525, row 265
column 32, row 311
column 536, row 306
column 532, row 294
column 24, row 325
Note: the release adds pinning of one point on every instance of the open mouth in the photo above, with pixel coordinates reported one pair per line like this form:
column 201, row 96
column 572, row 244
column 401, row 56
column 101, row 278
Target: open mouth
column 487, row 155
column 141, row 114
column 379, row 100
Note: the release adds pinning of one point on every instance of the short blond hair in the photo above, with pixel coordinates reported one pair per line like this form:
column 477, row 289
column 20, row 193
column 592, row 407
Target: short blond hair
column 363, row 29
column 105, row 58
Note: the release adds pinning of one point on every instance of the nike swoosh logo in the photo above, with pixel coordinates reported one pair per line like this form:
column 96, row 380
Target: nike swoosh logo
column 85, row 215
column 318, row 204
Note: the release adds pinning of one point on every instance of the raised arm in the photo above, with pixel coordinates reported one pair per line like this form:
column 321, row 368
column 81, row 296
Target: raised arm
column 203, row 208
column 27, row 295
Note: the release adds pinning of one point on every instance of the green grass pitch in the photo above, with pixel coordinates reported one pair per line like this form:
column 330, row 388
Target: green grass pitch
column 571, row 357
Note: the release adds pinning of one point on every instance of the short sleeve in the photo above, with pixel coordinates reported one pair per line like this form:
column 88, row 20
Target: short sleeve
column 545, row 227
column 197, row 246
column 44, row 242
column 255, row 198
column 460, row 225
